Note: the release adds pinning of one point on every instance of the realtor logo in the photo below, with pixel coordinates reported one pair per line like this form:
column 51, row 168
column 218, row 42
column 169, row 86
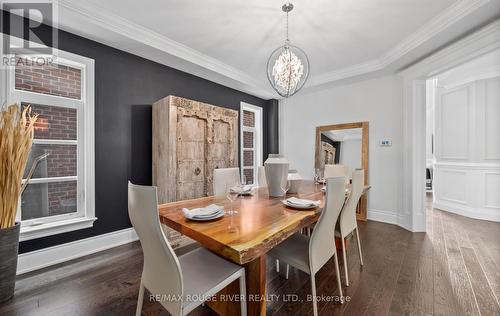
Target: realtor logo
column 29, row 31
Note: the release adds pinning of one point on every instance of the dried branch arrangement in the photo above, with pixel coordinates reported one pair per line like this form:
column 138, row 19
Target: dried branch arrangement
column 16, row 138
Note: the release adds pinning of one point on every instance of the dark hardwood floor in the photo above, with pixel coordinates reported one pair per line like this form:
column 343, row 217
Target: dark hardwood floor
column 454, row 269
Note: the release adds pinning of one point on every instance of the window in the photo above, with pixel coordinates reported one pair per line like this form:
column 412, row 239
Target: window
column 251, row 141
column 60, row 195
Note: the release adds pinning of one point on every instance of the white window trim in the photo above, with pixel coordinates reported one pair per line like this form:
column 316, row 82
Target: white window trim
column 85, row 216
column 257, row 141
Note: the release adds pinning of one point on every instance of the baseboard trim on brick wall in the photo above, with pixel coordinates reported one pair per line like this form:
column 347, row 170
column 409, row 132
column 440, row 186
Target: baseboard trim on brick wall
column 383, row 216
column 42, row 258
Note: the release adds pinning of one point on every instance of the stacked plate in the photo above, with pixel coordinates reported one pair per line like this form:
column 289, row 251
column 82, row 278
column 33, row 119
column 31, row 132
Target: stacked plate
column 208, row 213
column 301, row 204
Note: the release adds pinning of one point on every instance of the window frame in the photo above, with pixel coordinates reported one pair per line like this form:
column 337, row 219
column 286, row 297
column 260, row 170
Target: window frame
column 84, row 217
column 257, row 139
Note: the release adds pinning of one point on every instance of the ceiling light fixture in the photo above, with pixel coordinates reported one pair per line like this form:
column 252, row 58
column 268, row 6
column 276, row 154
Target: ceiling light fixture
column 288, row 65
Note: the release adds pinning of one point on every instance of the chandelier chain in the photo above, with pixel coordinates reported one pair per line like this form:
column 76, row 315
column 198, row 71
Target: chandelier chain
column 287, row 40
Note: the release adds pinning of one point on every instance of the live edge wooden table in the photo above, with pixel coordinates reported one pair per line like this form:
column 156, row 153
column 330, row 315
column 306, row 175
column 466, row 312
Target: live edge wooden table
column 261, row 223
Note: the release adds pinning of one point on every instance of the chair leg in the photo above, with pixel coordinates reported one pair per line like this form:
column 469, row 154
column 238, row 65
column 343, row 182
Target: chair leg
column 313, row 291
column 345, row 261
column 359, row 246
column 337, row 272
column 140, row 300
column 243, row 294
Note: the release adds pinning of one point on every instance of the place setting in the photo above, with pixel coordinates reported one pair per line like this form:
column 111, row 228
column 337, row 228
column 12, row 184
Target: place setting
column 295, row 202
column 208, row 213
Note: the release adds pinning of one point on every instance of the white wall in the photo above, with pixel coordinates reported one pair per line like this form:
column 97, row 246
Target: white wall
column 350, row 154
column 467, row 168
column 378, row 101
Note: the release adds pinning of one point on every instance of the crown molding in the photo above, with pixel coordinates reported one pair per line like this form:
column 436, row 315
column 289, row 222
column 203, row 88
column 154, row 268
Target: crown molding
column 351, row 71
column 223, row 73
column 102, row 18
column 432, row 28
column 474, row 45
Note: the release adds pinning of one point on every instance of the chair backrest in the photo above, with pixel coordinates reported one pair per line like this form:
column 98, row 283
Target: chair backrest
column 336, row 171
column 161, row 273
column 322, row 243
column 225, row 178
column 261, row 171
column 348, row 215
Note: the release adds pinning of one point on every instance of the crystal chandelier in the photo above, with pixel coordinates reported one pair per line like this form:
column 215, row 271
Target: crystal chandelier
column 288, row 65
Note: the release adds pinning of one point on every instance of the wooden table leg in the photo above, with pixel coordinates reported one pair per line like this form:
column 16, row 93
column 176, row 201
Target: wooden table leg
column 255, row 273
column 256, row 286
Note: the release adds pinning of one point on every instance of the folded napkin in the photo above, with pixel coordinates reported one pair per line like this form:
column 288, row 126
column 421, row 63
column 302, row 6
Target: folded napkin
column 203, row 212
column 242, row 189
column 303, row 202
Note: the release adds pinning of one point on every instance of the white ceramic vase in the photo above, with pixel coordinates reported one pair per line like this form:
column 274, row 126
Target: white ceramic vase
column 276, row 172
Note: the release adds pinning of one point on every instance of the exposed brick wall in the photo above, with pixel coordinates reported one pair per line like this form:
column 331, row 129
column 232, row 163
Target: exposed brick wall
column 53, row 79
column 247, row 140
column 62, row 197
column 54, row 122
column 61, row 162
column 247, row 158
column 47, row 199
column 248, row 118
column 249, row 175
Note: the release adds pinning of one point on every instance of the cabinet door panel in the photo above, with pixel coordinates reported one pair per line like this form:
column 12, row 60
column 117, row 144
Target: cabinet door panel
column 191, row 132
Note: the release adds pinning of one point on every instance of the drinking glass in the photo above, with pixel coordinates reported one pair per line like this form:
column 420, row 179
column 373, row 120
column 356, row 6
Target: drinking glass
column 317, row 175
column 285, row 186
column 231, row 196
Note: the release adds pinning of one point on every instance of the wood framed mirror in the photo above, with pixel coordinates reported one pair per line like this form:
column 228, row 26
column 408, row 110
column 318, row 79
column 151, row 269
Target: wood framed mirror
column 345, row 144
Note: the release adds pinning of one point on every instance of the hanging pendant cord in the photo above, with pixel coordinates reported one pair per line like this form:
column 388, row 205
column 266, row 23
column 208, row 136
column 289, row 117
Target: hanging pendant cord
column 287, row 40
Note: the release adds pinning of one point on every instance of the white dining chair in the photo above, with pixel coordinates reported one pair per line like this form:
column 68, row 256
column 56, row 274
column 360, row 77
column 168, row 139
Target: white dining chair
column 347, row 221
column 193, row 276
column 261, row 176
column 225, row 178
column 336, row 171
column 309, row 254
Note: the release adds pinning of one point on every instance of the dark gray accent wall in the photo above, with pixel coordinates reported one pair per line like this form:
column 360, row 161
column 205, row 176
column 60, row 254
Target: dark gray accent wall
column 125, row 87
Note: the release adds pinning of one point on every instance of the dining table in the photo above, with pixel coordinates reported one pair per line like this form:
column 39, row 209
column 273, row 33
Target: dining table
column 261, row 223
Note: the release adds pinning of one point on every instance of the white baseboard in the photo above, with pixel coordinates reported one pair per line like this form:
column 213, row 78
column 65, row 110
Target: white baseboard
column 383, row 216
column 42, row 258
column 486, row 214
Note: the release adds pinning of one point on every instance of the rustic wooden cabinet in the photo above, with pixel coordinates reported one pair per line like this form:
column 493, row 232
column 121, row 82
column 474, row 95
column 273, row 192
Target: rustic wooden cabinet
column 190, row 140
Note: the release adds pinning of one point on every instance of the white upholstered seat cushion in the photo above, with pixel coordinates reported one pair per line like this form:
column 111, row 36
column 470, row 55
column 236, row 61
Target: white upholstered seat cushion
column 294, row 251
column 202, row 270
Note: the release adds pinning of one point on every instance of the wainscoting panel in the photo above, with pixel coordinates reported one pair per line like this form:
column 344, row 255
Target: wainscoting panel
column 492, row 190
column 467, row 156
column 453, row 124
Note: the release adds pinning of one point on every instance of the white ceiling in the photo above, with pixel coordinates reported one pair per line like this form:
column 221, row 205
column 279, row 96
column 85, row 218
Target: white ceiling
column 228, row 41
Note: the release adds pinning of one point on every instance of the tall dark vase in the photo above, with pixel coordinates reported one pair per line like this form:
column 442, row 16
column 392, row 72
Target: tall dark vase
column 9, row 245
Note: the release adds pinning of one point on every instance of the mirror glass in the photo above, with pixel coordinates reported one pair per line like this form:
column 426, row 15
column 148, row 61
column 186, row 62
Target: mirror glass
column 341, row 146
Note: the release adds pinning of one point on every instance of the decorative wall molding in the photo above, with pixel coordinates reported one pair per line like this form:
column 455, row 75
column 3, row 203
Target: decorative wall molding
column 472, row 212
column 383, row 216
column 98, row 16
column 414, row 158
column 438, row 24
column 92, row 14
column 53, row 255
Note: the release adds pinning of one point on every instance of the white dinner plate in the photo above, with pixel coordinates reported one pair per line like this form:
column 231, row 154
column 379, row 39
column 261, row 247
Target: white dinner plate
column 299, row 207
column 207, row 218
